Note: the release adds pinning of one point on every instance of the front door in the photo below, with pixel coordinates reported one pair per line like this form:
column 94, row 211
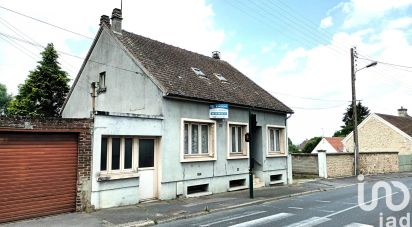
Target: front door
column 147, row 169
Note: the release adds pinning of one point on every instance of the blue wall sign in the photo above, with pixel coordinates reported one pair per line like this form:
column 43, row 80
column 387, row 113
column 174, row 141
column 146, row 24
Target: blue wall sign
column 219, row 111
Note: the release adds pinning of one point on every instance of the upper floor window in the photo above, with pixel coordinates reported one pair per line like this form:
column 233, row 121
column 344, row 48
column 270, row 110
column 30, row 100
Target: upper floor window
column 198, row 72
column 102, row 82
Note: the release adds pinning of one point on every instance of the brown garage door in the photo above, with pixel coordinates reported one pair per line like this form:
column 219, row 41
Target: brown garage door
column 38, row 174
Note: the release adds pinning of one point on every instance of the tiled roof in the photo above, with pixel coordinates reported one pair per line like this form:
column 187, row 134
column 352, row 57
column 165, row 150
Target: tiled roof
column 402, row 123
column 336, row 143
column 172, row 68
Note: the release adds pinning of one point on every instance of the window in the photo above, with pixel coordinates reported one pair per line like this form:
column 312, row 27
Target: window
column 220, row 77
column 198, row 140
column 102, row 82
column 198, row 72
column 117, row 154
column 237, row 145
column 276, row 140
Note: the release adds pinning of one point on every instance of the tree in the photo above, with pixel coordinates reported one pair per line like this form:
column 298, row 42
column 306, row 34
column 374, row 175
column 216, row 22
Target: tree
column 362, row 113
column 311, row 144
column 45, row 89
column 5, row 99
column 292, row 147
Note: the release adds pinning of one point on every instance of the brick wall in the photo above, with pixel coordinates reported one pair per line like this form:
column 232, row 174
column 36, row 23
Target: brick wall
column 82, row 127
column 375, row 136
column 305, row 164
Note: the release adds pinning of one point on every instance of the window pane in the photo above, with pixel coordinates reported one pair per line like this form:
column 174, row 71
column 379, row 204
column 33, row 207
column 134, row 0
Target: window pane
column 277, row 139
column 195, row 139
column 186, row 139
column 205, row 139
column 128, row 144
column 146, row 153
column 103, row 156
column 239, row 139
column 233, row 138
column 115, row 153
column 271, row 140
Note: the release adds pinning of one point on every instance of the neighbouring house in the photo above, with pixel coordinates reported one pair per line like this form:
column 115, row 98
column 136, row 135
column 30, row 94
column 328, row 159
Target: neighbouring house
column 330, row 145
column 169, row 122
column 382, row 132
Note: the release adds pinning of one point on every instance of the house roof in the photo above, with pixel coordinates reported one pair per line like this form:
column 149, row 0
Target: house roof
column 402, row 123
column 172, row 67
column 336, row 143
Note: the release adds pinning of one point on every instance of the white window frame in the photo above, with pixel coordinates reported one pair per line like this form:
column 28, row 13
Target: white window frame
column 212, row 147
column 135, row 145
column 245, row 151
column 282, row 141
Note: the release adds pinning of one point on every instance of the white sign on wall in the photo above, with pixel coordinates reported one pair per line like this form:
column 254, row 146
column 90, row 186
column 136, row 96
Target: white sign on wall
column 219, row 111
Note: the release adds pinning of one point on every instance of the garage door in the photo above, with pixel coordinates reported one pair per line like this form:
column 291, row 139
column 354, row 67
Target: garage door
column 38, row 174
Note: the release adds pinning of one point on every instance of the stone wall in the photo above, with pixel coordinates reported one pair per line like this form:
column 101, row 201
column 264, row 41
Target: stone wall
column 305, row 164
column 339, row 164
column 80, row 126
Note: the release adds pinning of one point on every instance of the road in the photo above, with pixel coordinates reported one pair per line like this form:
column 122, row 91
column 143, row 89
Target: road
column 329, row 208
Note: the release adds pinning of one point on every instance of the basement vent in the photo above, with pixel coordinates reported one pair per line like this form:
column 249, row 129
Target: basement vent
column 198, row 72
column 276, row 178
column 194, row 189
column 237, row 183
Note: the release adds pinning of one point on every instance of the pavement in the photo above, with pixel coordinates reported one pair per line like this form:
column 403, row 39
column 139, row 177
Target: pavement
column 158, row 212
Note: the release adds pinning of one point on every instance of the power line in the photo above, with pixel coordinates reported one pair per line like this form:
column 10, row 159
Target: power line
column 308, row 98
column 47, row 23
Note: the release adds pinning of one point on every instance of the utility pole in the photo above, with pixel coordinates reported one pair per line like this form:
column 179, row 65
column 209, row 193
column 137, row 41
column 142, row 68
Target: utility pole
column 355, row 112
column 250, row 138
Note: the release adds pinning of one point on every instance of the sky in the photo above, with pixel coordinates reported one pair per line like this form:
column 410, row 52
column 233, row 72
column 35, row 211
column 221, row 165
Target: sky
column 299, row 51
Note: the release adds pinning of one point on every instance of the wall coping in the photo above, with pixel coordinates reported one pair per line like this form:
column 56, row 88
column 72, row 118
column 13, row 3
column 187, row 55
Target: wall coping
column 305, row 154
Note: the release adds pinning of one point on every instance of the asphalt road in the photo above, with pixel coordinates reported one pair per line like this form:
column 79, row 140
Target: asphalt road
column 329, row 208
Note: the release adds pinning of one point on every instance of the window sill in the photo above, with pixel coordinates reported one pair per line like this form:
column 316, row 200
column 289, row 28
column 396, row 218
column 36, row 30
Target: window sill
column 198, row 159
column 237, row 156
column 117, row 176
column 276, row 154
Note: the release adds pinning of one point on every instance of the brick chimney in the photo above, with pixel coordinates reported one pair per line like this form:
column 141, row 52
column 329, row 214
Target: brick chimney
column 216, row 55
column 402, row 112
column 105, row 20
column 117, row 21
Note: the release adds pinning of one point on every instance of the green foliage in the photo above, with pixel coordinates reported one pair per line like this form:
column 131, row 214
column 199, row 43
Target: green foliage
column 292, row 147
column 311, row 144
column 5, row 99
column 44, row 91
column 362, row 113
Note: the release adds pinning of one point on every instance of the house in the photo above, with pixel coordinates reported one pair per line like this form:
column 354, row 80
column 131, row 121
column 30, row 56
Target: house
column 169, row 122
column 382, row 132
column 330, row 145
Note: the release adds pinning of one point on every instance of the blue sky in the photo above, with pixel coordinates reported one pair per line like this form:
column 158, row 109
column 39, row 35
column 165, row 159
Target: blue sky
column 296, row 50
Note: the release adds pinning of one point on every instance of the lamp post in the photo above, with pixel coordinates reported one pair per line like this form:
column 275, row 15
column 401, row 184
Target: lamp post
column 355, row 112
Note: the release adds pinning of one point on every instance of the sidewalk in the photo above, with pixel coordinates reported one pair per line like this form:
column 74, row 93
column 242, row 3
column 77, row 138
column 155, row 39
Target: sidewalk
column 164, row 211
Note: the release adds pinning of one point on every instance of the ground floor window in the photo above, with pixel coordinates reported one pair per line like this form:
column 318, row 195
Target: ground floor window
column 236, row 139
column 276, row 140
column 198, row 138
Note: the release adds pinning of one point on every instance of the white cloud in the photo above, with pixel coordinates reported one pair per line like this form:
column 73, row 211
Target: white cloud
column 400, row 23
column 361, row 12
column 192, row 29
column 326, row 22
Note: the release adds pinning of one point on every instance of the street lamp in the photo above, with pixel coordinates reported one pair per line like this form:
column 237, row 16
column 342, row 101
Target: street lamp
column 355, row 112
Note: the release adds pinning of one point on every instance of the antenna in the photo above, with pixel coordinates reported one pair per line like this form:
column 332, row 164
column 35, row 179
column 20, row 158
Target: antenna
column 121, row 5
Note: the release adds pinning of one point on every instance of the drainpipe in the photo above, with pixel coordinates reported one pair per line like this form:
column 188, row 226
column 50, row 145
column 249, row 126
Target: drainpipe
column 94, row 95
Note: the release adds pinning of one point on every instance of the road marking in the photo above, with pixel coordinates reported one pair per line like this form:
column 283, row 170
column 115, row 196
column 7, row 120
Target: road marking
column 232, row 218
column 309, row 222
column 296, row 208
column 263, row 220
column 322, row 201
column 327, row 211
column 349, row 203
column 358, row 225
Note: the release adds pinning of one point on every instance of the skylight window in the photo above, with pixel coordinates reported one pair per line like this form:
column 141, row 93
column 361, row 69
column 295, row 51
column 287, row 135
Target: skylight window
column 220, row 77
column 198, row 72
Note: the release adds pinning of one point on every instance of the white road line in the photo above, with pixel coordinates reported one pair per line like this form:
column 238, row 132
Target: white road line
column 322, row 201
column 350, row 203
column 296, row 208
column 232, row 218
column 309, row 222
column 358, row 225
column 264, row 220
column 327, row 211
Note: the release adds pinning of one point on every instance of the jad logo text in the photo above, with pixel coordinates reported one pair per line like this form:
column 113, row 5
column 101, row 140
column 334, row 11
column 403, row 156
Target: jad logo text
column 403, row 221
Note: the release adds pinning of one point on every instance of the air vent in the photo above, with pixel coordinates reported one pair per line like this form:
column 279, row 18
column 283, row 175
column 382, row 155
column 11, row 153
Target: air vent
column 196, row 189
column 237, row 183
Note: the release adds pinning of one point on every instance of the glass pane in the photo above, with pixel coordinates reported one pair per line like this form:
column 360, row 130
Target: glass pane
column 271, row 140
column 233, row 139
column 115, row 153
column 277, row 140
column 103, row 156
column 205, row 139
column 146, row 153
column 195, row 139
column 186, row 139
column 239, row 139
column 128, row 144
